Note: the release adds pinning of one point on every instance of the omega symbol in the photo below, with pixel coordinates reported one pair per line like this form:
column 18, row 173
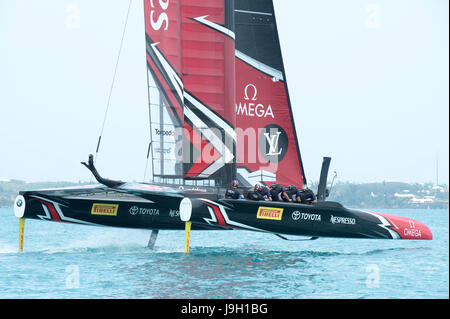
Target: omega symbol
column 255, row 91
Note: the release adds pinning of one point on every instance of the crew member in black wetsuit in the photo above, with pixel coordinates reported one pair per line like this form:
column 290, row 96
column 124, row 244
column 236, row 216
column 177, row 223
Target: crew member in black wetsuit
column 233, row 192
column 307, row 196
column 259, row 193
column 265, row 193
column 294, row 193
column 254, row 194
column 278, row 193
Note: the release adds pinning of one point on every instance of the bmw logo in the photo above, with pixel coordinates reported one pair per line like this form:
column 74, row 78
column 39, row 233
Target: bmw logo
column 19, row 206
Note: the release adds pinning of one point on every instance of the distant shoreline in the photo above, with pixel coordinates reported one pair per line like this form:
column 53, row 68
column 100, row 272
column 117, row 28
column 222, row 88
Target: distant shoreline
column 381, row 195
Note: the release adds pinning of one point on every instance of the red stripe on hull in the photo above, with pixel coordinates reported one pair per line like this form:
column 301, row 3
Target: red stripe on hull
column 53, row 212
column 220, row 218
column 408, row 228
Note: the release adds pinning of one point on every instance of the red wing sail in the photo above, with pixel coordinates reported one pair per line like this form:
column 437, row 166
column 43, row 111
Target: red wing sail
column 208, row 49
column 163, row 42
column 190, row 54
column 267, row 147
column 217, row 83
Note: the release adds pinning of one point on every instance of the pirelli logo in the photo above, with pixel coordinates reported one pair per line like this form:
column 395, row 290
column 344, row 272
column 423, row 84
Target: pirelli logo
column 104, row 209
column 270, row 213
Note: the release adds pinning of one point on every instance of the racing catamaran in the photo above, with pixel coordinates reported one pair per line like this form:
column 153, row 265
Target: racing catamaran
column 219, row 110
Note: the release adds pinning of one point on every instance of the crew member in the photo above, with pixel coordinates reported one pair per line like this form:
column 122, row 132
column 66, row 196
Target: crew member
column 259, row 192
column 233, row 192
column 265, row 193
column 254, row 194
column 307, row 196
column 294, row 193
column 278, row 193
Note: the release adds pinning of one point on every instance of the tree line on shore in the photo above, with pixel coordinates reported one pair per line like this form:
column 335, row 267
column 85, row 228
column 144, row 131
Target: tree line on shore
column 358, row 195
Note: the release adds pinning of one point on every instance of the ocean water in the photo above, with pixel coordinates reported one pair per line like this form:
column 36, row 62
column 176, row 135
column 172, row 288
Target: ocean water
column 70, row 261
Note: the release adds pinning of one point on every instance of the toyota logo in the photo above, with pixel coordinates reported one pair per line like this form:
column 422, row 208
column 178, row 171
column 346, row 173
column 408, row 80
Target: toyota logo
column 296, row 215
column 134, row 210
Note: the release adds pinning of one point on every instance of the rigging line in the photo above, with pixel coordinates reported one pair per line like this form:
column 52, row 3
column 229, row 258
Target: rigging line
column 149, row 120
column 146, row 164
column 113, row 81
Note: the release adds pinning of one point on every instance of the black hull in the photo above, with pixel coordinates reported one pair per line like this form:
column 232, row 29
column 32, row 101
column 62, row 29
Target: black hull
column 126, row 211
column 128, row 208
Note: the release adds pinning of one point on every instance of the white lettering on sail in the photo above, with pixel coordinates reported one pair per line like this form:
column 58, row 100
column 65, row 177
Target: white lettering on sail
column 163, row 17
column 273, row 144
column 255, row 92
column 253, row 109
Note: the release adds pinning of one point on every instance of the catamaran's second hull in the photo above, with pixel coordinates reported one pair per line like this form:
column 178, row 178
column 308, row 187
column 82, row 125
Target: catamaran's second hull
column 159, row 210
column 110, row 209
column 325, row 219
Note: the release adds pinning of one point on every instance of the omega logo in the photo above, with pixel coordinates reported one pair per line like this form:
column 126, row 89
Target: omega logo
column 253, row 109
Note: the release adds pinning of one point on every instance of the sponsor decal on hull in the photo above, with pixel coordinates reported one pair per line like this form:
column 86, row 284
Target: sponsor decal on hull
column 296, row 215
column 270, row 213
column 412, row 232
column 342, row 220
column 143, row 211
column 104, row 209
column 405, row 228
column 174, row 213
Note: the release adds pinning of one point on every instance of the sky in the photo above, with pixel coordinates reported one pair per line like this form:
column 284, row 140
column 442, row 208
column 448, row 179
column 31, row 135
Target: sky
column 368, row 82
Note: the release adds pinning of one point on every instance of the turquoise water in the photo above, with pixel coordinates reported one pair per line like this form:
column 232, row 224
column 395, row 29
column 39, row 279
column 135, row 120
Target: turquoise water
column 69, row 261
